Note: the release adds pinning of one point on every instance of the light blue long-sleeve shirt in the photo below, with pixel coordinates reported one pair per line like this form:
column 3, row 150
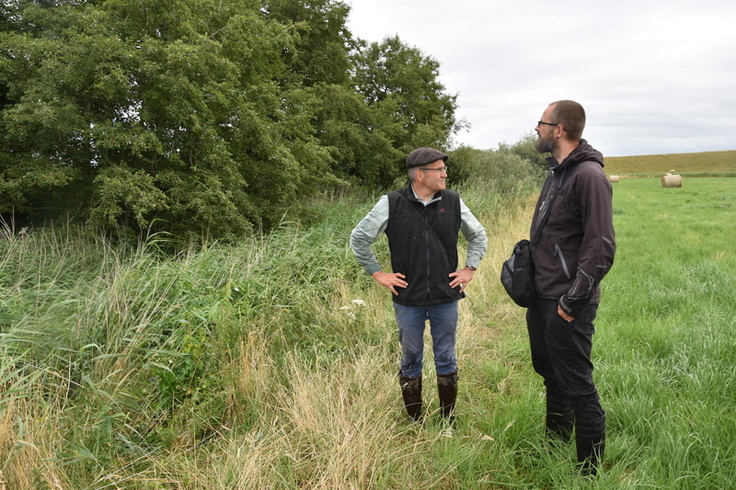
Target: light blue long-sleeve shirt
column 375, row 222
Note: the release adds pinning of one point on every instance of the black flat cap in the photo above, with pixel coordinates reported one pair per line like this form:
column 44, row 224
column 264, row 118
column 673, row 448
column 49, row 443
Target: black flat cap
column 424, row 156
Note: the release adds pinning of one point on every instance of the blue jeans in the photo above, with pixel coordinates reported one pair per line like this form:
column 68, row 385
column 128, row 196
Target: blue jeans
column 442, row 326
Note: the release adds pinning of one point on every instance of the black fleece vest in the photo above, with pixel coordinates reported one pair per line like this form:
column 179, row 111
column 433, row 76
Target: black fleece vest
column 423, row 244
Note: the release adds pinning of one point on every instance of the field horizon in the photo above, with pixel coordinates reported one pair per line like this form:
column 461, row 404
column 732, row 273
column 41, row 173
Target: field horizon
column 698, row 164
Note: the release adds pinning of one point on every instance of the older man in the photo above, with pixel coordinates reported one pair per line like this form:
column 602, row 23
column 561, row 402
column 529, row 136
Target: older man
column 422, row 222
column 572, row 255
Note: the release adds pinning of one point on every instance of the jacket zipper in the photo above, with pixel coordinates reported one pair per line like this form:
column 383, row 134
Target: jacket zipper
column 547, row 197
column 558, row 252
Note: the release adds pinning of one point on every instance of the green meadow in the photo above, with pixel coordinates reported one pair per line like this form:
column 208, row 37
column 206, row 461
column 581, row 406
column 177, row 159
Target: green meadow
column 703, row 164
column 666, row 343
column 272, row 364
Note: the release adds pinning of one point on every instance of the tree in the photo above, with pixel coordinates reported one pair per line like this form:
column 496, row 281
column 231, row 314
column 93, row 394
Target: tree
column 393, row 73
column 320, row 37
column 201, row 117
column 401, row 86
column 157, row 113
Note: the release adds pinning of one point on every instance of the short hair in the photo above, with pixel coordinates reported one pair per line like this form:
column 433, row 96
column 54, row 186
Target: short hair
column 572, row 117
column 412, row 173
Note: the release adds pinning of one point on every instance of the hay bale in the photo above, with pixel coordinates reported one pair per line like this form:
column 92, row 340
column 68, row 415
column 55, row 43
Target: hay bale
column 670, row 180
column 613, row 178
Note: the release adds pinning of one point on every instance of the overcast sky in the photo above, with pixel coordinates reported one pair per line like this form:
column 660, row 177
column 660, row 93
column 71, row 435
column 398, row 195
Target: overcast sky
column 654, row 76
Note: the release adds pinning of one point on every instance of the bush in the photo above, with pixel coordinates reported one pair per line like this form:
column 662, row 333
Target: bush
column 494, row 170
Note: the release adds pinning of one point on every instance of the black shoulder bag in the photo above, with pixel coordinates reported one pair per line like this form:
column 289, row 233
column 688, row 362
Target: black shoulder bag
column 517, row 272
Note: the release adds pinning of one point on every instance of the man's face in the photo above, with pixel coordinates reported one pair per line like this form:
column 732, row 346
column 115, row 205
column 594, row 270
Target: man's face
column 546, row 141
column 432, row 178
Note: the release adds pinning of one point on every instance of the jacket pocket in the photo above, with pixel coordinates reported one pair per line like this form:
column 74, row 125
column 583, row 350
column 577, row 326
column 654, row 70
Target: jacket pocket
column 558, row 253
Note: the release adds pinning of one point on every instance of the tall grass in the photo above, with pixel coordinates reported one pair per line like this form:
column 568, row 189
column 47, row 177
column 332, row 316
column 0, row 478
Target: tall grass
column 272, row 364
column 668, row 326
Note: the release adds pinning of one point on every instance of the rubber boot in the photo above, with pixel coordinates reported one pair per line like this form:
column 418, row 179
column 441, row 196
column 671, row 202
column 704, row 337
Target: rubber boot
column 590, row 439
column 560, row 419
column 411, row 390
column 447, row 391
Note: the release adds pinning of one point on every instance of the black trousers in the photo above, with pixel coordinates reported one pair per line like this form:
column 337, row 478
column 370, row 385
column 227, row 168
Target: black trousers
column 561, row 355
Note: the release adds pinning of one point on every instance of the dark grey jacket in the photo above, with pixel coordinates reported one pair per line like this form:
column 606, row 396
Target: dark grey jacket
column 577, row 245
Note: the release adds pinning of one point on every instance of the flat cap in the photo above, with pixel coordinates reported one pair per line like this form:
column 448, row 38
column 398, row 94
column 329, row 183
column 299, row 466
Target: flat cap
column 423, row 156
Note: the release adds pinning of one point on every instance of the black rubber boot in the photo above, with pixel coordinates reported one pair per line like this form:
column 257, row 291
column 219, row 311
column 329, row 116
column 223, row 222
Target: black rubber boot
column 590, row 439
column 411, row 390
column 447, row 391
column 560, row 419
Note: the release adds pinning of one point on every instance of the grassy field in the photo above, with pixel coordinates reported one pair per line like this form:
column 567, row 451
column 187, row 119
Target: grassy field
column 667, row 341
column 255, row 367
column 704, row 164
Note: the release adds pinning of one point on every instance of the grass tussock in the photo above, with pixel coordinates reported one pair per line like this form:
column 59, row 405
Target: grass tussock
column 272, row 364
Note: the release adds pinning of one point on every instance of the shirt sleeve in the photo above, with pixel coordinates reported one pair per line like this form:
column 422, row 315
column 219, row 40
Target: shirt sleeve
column 475, row 234
column 366, row 233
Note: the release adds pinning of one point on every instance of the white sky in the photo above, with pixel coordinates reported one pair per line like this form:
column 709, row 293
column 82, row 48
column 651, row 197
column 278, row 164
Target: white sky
column 654, row 76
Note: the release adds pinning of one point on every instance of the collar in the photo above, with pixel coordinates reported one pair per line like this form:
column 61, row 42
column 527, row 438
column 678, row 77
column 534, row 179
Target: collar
column 435, row 198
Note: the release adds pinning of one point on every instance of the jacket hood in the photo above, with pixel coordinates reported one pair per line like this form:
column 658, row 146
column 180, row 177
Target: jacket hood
column 583, row 153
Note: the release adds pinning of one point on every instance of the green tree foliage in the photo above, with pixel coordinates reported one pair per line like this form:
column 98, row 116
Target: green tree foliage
column 499, row 171
column 501, row 168
column 321, row 39
column 401, row 85
column 201, row 117
column 524, row 148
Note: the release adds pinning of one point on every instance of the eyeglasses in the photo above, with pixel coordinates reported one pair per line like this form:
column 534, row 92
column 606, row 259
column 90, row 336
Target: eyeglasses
column 438, row 170
column 539, row 123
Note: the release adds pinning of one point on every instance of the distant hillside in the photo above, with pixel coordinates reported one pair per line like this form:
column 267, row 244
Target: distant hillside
column 704, row 164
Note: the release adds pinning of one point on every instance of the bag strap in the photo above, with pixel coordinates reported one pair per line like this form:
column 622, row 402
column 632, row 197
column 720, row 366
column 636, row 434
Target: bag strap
column 548, row 209
column 420, row 215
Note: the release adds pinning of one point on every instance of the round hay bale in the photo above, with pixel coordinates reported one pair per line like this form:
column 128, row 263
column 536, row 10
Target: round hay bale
column 669, row 180
column 613, row 178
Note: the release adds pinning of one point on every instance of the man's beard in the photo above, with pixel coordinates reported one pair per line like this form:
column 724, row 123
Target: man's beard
column 545, row 145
